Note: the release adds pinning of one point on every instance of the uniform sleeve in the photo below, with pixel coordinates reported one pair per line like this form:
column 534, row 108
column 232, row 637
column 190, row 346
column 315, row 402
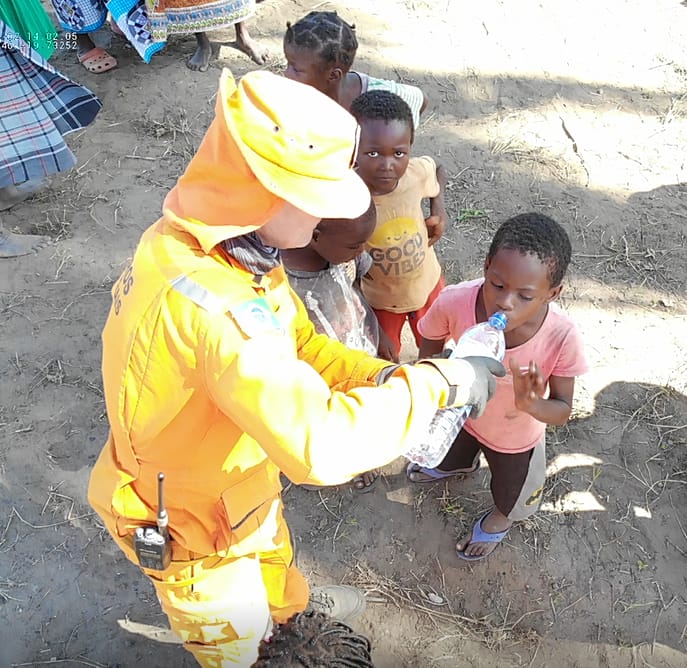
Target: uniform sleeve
column 571, row 360
column 434, row 325
column 311, row 432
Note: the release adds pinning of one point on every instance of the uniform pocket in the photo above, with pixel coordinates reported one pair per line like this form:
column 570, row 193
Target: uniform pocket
column 247, row 514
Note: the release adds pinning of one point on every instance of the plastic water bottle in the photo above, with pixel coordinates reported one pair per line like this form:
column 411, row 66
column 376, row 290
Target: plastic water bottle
column 486, row 339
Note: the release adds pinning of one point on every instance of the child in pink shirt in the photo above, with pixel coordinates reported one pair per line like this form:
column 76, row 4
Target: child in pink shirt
column 523, row 275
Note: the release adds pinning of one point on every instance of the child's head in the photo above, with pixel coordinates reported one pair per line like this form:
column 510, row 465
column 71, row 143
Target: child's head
column 339, row 240
column 319, row 50
column 525, row 266
column 312, row 639
column 386, row 135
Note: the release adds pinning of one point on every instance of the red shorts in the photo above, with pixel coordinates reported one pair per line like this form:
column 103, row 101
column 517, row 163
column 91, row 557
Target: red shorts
column 392, row 323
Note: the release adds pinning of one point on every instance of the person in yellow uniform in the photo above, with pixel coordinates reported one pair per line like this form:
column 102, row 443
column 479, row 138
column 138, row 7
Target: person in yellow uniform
column 215, row 377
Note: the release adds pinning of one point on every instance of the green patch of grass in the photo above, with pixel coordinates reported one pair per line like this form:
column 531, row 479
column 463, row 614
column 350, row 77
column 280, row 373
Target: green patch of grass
column 470, row 214
column 451, row 506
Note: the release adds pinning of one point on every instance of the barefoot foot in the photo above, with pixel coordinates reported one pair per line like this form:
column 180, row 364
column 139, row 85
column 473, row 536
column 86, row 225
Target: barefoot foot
column 258, row 53
column 200, row 60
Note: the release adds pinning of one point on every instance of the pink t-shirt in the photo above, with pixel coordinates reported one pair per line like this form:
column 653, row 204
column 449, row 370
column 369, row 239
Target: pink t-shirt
column 556, row 348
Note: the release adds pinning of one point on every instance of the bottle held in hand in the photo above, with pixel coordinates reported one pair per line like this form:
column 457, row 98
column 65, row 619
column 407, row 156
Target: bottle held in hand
column 486, row 339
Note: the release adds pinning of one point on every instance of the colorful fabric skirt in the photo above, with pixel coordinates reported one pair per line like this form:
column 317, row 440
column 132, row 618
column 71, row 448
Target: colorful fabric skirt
column 80, row 16
column 38, row 107
column 148, row 23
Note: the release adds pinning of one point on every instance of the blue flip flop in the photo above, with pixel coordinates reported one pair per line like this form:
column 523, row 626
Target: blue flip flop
column 479, row 535
column 436, row 474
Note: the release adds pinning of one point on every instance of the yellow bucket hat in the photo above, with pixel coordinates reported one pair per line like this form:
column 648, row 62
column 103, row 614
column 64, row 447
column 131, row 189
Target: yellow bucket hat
column 300, row 144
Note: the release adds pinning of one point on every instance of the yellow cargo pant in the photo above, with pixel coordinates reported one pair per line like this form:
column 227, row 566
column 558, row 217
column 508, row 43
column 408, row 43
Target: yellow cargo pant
column 223, row 608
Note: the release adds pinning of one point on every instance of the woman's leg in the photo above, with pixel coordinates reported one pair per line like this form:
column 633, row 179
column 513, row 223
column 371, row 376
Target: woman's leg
column 84, row 44
column 258, row 53
column 200, row 59
column 84, row 17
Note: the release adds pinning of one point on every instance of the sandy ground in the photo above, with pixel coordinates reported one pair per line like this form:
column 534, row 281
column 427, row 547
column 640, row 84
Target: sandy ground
column 574, row 109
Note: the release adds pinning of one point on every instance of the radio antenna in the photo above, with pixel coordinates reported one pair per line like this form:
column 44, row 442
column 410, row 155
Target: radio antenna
column 162, row 517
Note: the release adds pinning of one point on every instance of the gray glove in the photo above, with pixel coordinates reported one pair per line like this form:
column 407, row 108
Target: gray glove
column 473, row 389
column 484, row 385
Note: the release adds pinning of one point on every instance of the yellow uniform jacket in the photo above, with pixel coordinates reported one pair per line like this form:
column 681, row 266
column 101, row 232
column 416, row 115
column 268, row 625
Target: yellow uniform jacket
column 217, row 378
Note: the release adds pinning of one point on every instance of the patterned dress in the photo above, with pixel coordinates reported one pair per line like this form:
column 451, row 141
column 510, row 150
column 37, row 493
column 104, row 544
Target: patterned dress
column 148, row 23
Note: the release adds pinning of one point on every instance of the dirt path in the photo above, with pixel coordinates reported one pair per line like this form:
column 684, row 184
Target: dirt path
column 574, row 109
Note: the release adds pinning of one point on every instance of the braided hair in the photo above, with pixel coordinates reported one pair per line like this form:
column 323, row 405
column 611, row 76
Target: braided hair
column 383, row 105
column 328, row 35
column 538, row 234
column 313, row 640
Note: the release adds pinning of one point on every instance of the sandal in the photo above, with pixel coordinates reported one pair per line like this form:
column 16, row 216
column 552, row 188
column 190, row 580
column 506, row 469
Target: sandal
column 424, row 474
column 364, row 488
column 479, row 535
column 97, row 60
column 359, row 485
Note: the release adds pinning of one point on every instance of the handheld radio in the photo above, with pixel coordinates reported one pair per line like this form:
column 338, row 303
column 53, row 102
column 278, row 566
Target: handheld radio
column 151, row 544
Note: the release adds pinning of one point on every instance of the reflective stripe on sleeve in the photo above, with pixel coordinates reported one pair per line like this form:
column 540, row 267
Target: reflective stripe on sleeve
column 199, row 295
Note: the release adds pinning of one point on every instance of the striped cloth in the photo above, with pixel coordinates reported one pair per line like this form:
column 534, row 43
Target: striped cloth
column 38, row 107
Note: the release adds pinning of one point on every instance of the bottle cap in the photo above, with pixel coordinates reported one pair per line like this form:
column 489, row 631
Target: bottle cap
column 499, row 320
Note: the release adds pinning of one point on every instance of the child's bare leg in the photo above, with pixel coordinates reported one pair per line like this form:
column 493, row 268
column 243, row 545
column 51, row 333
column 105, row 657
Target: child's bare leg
column 200, row 60
column 494, row 522
column 259, row 54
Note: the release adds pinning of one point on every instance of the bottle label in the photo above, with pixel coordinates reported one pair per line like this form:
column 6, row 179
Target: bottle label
column 472, row 348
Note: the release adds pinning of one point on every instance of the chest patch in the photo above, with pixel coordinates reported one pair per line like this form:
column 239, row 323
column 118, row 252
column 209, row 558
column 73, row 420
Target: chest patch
column 255, row 317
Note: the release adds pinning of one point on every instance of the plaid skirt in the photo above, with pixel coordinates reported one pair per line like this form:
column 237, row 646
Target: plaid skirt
column 38, row 107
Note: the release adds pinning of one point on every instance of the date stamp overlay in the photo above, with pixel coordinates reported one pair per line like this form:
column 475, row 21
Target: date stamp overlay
column 65, row 41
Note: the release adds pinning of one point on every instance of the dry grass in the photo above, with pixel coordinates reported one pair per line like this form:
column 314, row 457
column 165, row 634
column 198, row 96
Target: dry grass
column 511, row 146
column 78, row 661
column 659, row 411
column 677, row 109
column 7, row 586
column 639, row 255
column 433, row 605
column 451, row 506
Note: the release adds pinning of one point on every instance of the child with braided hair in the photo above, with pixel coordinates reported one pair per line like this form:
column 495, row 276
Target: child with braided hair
column 320, row 49
column 313, row 640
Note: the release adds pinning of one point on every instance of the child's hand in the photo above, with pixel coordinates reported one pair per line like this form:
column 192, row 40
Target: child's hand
column 436, row 225
column 386, row 349
column 528, row 384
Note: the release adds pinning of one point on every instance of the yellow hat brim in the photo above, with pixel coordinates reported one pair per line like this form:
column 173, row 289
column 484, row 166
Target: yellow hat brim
column 344, row 198
column 348, row 197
